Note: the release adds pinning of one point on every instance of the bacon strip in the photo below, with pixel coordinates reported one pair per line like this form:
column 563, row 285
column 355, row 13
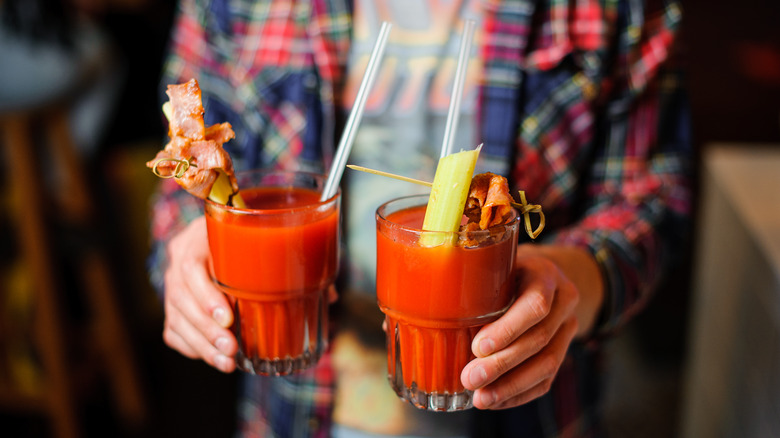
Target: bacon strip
column 489, row 201
column 187, row 119
column 195, row 143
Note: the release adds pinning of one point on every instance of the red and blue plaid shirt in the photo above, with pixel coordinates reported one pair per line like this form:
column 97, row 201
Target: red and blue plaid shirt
column 579, row 105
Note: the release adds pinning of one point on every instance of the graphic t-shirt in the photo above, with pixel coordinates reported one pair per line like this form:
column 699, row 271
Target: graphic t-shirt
column 406, row 112
column 401, row 132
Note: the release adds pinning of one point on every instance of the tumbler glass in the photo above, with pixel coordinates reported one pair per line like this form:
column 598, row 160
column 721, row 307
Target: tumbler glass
column 435, row 299
column 275, row 261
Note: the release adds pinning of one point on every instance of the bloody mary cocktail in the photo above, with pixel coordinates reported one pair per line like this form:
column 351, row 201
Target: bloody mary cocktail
column 275, row 261
column 435, row 299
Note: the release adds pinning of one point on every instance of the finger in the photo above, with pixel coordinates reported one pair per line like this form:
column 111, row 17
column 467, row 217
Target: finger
column 189, row 268
column 532, row 394
column 521, row 381
column 194, row 343
column 179, row 305
column 176, row 342
column 531, row 306
column 210, row 299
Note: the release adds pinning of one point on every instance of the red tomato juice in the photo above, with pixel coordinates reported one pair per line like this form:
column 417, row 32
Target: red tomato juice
column 275, row 261
column 435, row 299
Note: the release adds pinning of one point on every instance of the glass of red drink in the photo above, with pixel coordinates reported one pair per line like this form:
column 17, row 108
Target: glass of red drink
column 435, row 299
column 275, row 261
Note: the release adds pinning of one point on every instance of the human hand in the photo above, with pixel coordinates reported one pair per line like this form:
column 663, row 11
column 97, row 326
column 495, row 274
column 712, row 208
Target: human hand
column 519, row 354
column 197, row 314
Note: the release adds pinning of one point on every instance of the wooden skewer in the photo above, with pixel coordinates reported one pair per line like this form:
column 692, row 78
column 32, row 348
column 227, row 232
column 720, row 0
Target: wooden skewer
column 390, row 175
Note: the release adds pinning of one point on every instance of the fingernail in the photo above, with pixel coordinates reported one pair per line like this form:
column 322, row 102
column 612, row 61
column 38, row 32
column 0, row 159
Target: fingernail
column 477, row 376
column 221, row 362
column 222, row 345
column 485, row 347
column 220, row 316
column 488, row 398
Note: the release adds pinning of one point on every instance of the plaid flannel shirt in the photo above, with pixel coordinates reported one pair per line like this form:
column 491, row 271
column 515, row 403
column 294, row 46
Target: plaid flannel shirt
column 579, row 106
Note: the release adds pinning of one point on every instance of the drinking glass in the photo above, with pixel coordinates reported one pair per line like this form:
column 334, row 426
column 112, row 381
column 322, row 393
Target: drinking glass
column 275, row 261
column 435, row 299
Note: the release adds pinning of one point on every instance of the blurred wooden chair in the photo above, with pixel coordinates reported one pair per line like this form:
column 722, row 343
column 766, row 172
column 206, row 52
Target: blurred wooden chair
column 47, row 183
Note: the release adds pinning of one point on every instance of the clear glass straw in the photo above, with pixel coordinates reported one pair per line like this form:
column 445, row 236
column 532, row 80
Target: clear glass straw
column 350, row 129
column 457, row 89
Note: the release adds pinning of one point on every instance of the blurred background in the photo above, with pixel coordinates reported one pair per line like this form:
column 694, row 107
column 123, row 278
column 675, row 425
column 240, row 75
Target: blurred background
column 81, row 330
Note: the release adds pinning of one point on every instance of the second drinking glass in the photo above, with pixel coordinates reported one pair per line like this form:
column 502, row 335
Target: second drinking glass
column 435, row 299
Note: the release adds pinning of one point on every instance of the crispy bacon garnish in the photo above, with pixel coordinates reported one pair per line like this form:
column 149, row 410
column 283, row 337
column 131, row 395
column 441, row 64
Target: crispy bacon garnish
column 187, row 115
column 489, row 202
column 194, row 154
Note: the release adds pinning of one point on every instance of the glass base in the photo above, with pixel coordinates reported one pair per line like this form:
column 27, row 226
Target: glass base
column 424, row 364
column 440, row 402
column 276, row 367
column 282, row 336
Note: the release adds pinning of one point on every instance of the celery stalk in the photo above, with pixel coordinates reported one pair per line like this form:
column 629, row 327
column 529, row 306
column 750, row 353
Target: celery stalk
column 448, row 197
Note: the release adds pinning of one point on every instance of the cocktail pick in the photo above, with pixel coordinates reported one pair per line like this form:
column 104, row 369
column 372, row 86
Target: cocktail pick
column 390, row 175
column 350, row 129
column 178, row 171
column 457, row 89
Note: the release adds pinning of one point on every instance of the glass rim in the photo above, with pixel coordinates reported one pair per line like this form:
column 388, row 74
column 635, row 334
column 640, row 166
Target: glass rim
column 381, row 216
column 320, row 178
